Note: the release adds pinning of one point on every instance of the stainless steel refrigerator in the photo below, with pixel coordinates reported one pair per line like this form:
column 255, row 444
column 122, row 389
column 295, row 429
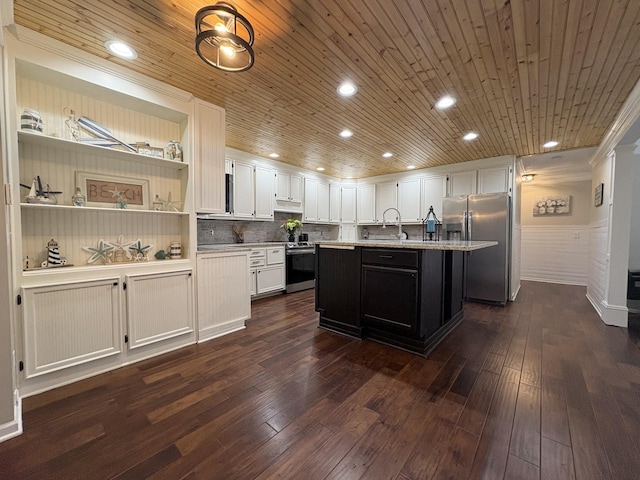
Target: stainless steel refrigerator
column 482, row 217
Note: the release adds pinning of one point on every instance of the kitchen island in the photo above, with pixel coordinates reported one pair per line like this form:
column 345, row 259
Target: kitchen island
column 404, row 293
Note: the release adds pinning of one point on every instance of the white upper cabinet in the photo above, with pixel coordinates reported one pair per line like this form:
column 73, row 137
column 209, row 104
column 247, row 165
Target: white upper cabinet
column 310, row 200
column 243, row 190
column 494, row 180
column 264, row 193
column 334, row 203
column 462, row 183
column 253, row 191
column 348, row 204
column 434, row 189
column 366, row 204
column 288, row 195
column 409, row 200
column 208, row 158
column 386, row 197
column 323, row 202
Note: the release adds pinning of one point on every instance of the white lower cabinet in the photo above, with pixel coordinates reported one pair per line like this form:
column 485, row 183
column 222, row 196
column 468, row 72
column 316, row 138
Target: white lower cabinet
column 159, row 307
column 224, row 301
column 267, row 270
column 75, row 329
column 70, row 324
column 270, row 279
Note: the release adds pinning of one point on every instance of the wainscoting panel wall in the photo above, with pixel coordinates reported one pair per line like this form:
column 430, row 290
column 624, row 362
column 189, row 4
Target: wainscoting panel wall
column 555, row 254
column 597, row 264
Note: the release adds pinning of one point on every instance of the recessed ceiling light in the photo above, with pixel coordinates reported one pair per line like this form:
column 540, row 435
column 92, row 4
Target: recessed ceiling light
column 445, row 102
column 387, row 154
column 121, row 49
column 274, row 155
column 527, row 177
column 550, row 144
column 346, row 133
column 470, row 136
column 320, row 169
column 411, row 167
column 347, row 89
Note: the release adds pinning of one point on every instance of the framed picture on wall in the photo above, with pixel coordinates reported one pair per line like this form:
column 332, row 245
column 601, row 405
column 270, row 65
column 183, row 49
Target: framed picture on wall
column 552, row 205
column 598, row 197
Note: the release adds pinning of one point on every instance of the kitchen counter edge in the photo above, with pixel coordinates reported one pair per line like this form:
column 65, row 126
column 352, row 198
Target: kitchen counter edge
column 465, row 246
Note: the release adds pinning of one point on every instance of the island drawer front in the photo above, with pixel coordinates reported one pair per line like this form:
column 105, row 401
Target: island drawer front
column 390, row 257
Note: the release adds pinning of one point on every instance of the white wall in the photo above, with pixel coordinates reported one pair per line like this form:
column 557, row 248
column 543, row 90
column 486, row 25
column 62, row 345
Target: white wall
column 555, row 248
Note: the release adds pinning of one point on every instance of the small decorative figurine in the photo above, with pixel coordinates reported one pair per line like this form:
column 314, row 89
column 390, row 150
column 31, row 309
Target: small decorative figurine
column 175, row 250
column 31, row 120
column 431, row 227
column 157, row 204
column 121, row 200
column 104, row 252
column 161, row 255
column 38, row 194
column 78, row 199
column 71, row 124
column 54, row 259
column 121, row 249
column 140, row 252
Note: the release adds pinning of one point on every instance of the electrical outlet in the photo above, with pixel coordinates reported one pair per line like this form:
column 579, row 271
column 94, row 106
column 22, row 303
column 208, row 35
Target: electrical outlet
column 576, row 234
column 212, row 233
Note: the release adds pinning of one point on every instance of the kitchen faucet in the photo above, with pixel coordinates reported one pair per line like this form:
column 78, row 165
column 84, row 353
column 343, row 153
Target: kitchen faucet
column 384, row 223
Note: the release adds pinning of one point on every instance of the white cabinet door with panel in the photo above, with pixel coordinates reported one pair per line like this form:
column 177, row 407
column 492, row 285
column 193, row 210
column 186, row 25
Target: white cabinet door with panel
column 310, row 200
column 334, row 203
column 434, row 189
column 243, row 190
column 159, row 307
column 224, row 301
column 386, row 197
column 494, row 180
column 264, row 193
column 409, row 200
column 288, row 195
column 209, row 161
column 83, row 327
column 348, row 232
column 462, row 183
column 366, row 204
column 323, row 197
column 348, row 204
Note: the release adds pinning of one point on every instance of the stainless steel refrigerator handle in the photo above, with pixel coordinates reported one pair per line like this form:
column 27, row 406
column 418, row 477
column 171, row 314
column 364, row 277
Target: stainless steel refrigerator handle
column 469, row 224
column 464, row 225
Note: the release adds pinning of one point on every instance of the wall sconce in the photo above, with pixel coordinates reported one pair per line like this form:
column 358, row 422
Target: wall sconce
column 224, row 38
column 527, row 177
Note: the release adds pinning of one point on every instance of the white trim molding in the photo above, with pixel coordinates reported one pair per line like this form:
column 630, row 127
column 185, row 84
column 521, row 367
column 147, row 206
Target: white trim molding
column 13, row 428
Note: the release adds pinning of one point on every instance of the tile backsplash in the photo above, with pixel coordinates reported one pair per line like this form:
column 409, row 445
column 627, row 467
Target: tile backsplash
column 260, row 231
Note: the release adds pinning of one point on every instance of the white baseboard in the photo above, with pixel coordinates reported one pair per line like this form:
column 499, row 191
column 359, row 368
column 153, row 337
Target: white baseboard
column 557, row 282
column 13, row 428
column 220, row 330
column 515, row 294
column 614, row 315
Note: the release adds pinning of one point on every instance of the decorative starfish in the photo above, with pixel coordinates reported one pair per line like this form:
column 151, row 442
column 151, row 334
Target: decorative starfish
column 103, row 251
column 115, row 193
column 170, row 206
column 140, row 251
column 121, row 245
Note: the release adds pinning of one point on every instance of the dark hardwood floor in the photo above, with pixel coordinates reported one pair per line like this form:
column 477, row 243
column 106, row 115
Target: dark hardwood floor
column 538, row 389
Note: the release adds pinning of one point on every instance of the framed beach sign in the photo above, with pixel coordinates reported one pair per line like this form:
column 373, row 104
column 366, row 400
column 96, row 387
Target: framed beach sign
column 106, row 190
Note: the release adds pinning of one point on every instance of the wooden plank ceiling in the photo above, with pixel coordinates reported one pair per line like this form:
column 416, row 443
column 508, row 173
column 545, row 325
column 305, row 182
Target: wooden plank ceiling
column 523, row 72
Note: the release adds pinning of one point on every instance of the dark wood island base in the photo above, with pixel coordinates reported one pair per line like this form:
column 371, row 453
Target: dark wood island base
column 401, row 294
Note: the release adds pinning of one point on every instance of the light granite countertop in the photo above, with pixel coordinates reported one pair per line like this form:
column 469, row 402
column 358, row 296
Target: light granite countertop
column 221, row 247
column 465, row 246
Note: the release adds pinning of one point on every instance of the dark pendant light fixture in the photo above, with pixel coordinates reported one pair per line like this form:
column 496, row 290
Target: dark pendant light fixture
column 224, row 38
